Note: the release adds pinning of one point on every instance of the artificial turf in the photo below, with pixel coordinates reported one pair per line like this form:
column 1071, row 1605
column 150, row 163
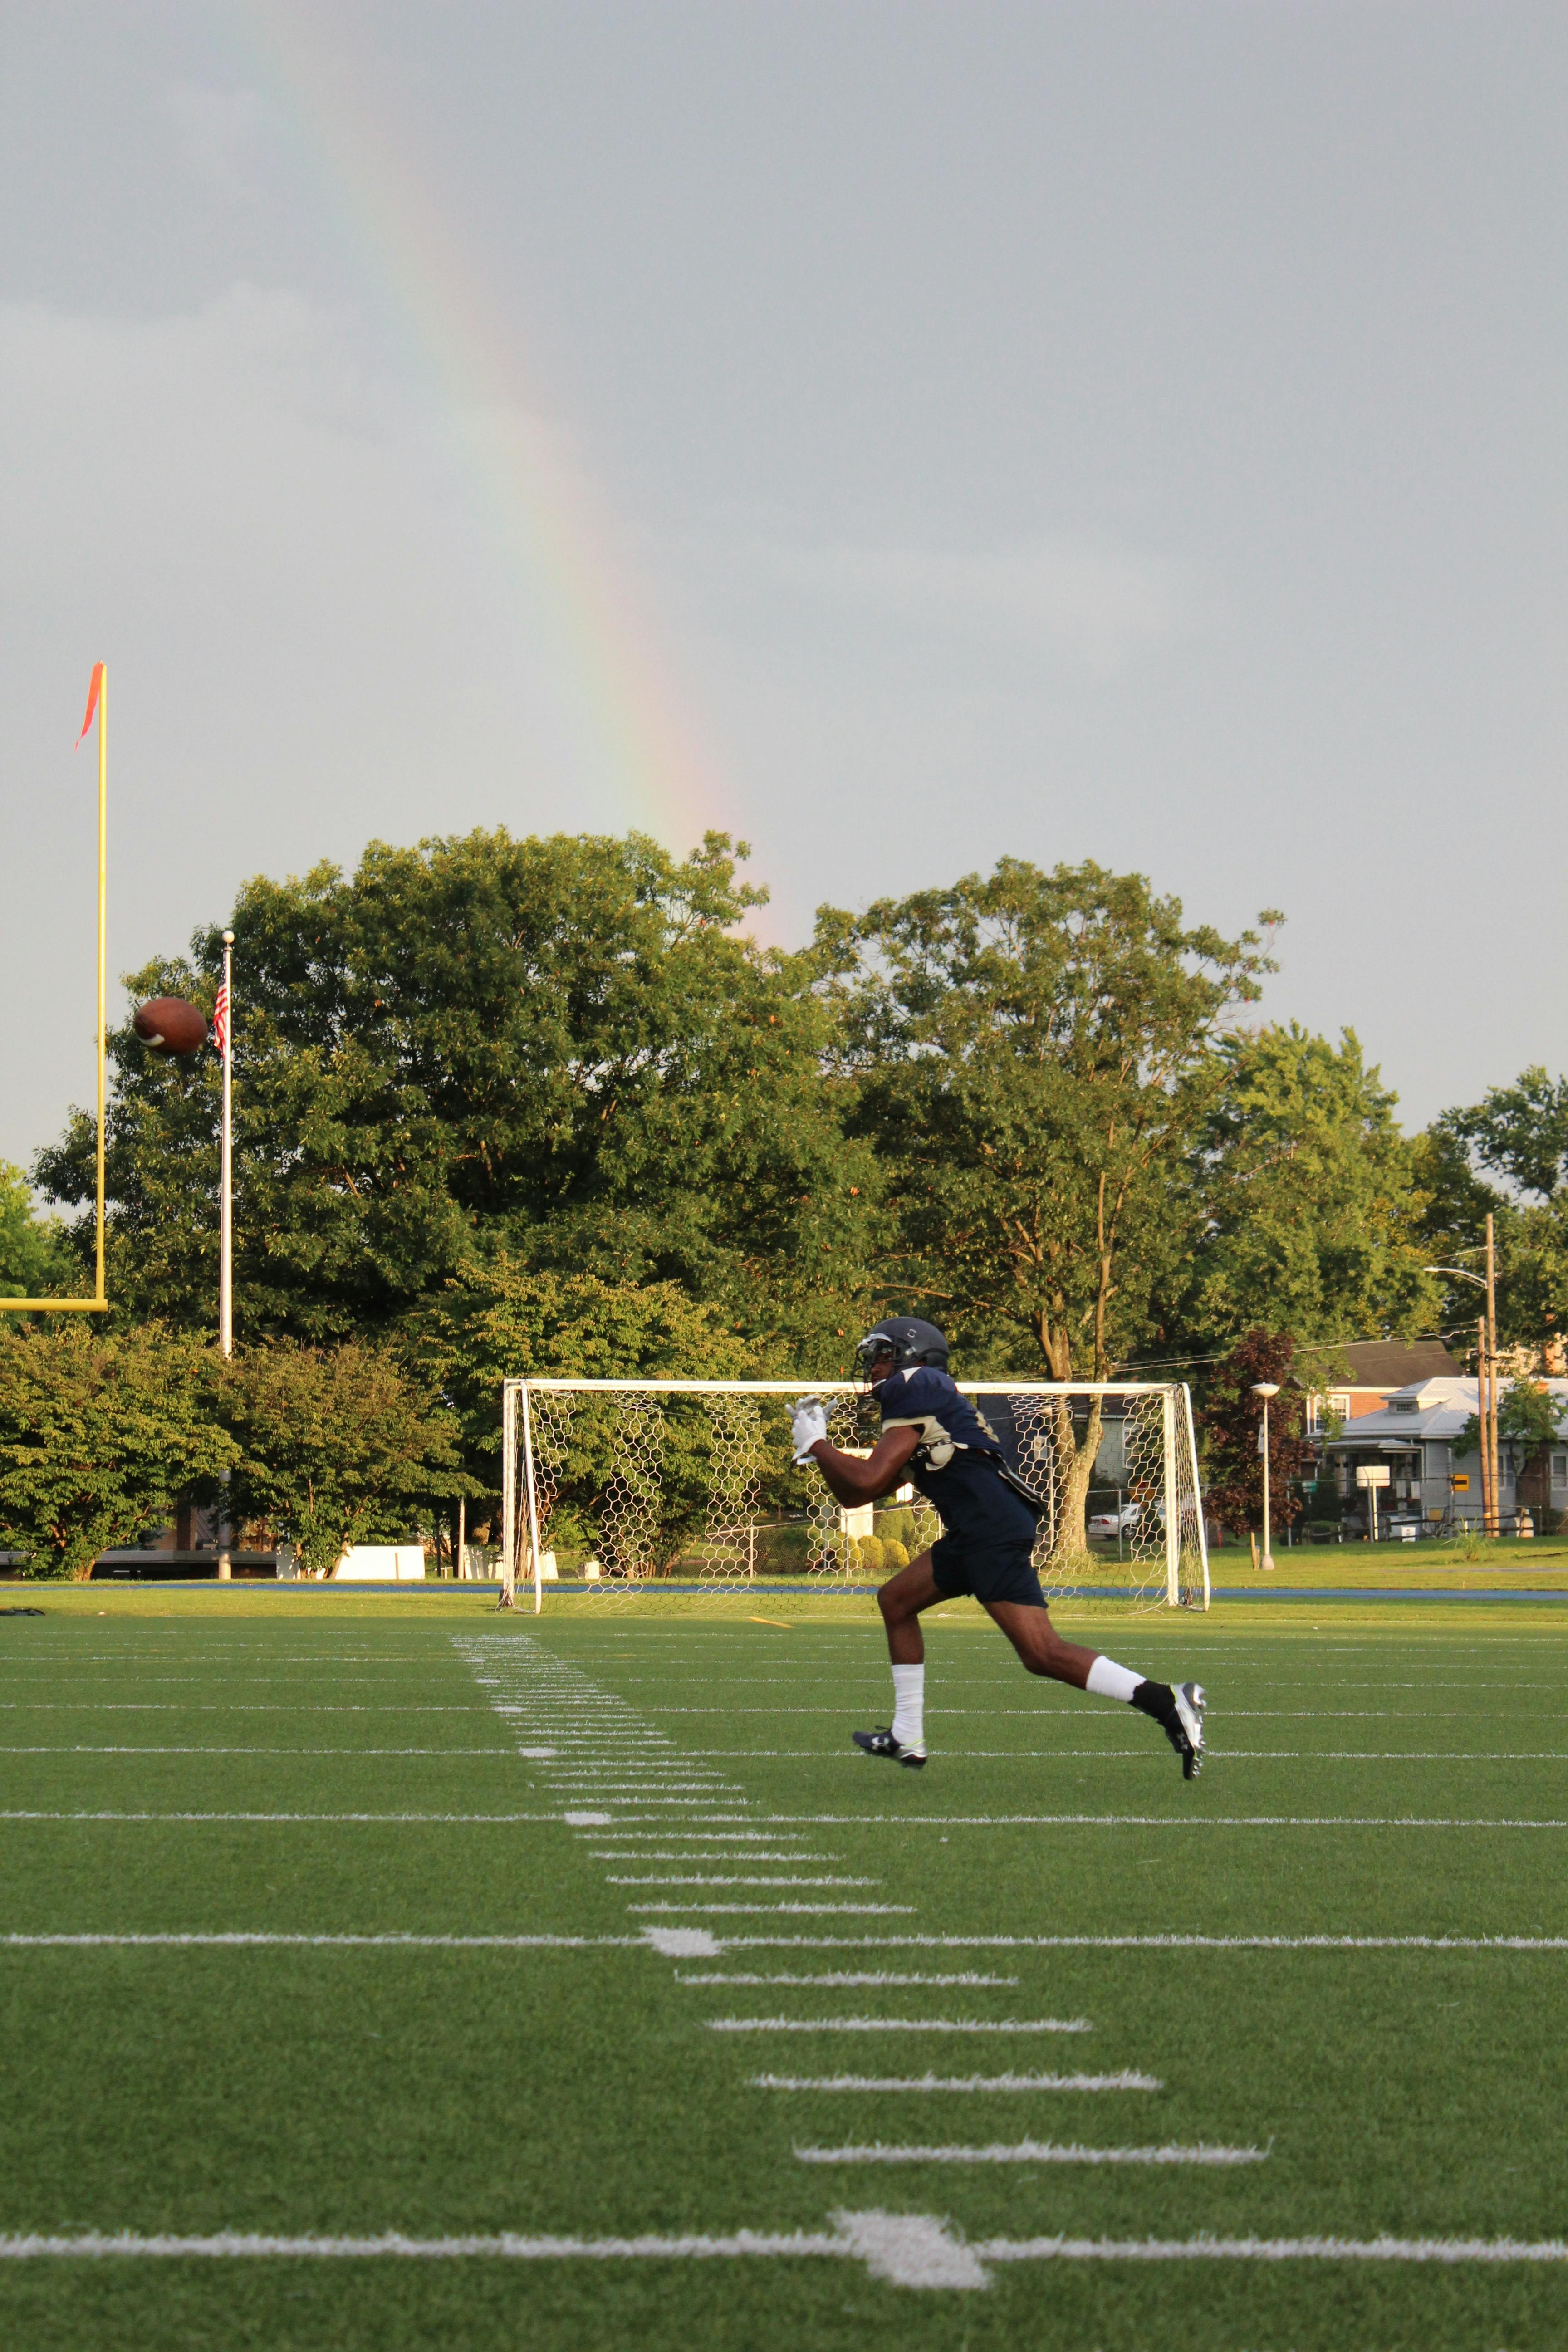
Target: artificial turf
column 580, row 2089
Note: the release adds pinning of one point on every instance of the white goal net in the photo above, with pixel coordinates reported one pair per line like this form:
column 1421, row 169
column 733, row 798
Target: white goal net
column 612, row 1487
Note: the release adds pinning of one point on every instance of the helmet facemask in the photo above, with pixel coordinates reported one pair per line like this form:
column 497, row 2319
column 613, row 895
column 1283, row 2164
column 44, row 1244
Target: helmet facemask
column 901, row 1341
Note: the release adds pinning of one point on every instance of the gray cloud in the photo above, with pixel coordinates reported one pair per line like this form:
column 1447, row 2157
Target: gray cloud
column 1088, row 600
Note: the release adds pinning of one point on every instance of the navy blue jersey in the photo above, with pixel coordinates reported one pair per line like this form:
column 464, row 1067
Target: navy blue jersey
column 953, row 1465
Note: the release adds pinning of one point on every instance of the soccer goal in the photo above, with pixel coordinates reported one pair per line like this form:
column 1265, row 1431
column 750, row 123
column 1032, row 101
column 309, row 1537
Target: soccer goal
column 618, row 1487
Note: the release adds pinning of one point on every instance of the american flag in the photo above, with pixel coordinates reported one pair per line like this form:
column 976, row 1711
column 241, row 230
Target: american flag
column 220, row 1020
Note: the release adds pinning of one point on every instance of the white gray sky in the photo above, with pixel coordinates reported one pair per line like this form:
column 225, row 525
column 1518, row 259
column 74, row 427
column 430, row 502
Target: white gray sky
column 903, row 434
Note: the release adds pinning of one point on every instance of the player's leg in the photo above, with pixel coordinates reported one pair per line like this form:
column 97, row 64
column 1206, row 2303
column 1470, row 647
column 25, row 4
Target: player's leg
column 900, row 1600
column 1179, row 1711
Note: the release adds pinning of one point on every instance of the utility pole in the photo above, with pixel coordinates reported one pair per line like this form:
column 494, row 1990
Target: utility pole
column 1485, row 1381
column 1484, row 1420
column 1492, row 1385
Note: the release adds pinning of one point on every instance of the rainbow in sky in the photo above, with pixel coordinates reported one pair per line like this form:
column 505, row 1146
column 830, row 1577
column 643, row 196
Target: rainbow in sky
column 425, row 283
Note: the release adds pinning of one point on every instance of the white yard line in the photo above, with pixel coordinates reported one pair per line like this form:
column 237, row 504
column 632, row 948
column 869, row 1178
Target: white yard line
column 1034, row 2151
column 470, row 1819
column 507, row 1755
column 1047, row 1714
column 1147, row 1755
column 1442, row 2250
column 1156, row 1943
column 842, row 1976
column 1124, row 2081
column 241, row 1937
column 661, row 1854
column 899, row 2025
column 612, row 1880
column 915, row 2251
column 720, row 1837
column 1173, row 1821
column 803, row 1910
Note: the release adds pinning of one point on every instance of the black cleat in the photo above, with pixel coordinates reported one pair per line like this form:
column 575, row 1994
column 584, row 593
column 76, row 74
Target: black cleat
column 882, row 1743
column 1186, row 1733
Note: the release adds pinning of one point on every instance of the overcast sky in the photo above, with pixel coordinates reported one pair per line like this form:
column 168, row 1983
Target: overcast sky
column 900, row 434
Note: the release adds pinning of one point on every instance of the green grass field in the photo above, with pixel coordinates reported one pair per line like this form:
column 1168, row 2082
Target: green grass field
column 1243, row 1964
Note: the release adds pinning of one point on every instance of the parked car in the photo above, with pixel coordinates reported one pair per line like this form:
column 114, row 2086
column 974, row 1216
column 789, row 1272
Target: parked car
column 1108, row 1524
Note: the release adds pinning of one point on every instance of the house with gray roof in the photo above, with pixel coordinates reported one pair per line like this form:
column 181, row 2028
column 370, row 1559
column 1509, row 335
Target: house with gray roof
column 1416, row 1435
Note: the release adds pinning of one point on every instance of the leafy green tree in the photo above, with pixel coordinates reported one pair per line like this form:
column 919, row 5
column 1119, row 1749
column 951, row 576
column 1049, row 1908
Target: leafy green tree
column 1035, row 1053
column 101, row 1433
column 1515, row 1133
column 1313, row 1206
column 1528, row 1415
column 505, row 1321
column 555, row 1047
column 35, row 1261
column 335, row 1446
column 1230, row 1418
column 1520, row 1132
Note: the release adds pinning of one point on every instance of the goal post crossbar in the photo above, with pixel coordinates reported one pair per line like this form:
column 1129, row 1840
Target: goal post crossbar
column 858, row 1388
column 625, row 1485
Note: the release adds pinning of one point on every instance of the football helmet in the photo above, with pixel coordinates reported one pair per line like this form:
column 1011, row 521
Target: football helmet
column 906, row 1339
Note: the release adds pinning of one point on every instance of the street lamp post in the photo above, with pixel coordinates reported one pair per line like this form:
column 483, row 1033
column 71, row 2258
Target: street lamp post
column 1266, row 1389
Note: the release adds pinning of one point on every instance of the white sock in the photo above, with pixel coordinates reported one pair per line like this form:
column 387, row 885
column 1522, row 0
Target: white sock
column 1107, row 1680
column 909, row 1705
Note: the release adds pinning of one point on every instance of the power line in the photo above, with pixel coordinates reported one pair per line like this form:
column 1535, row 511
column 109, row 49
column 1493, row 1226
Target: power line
column 1308, row 1347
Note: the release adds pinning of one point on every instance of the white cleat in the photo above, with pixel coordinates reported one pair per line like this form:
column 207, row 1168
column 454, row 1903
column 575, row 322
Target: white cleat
column 1190, row 1705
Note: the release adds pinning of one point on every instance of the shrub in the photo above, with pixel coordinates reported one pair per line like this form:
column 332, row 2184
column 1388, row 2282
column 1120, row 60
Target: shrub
column 869, row 1555
column 99, row 1432
column 894, row 1554
column 899, row 1525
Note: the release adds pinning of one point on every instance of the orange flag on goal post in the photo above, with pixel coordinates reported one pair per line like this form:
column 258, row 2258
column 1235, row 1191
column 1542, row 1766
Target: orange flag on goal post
column 92, row 693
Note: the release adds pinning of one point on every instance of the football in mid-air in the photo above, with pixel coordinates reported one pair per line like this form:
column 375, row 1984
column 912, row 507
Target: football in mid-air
column 169, row 1025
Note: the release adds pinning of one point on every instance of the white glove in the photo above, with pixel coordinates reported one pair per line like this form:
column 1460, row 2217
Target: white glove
column 808, row 1423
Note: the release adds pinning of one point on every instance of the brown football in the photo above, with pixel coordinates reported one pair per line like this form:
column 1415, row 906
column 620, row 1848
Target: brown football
column 170, row 1026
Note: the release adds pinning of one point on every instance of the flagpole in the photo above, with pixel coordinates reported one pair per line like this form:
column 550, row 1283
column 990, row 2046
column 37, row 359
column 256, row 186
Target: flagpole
column 100, row 1295
column 225, row 1220
column 225, row 1240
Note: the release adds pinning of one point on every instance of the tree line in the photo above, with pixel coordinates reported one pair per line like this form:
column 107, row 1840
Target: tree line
column 504, row 1104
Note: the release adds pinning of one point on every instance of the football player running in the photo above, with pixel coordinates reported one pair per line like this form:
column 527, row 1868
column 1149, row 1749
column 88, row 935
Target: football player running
column 933, row 1438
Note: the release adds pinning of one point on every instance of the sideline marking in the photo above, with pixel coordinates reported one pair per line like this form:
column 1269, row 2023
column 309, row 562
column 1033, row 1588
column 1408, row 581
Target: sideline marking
column 1033, row 2152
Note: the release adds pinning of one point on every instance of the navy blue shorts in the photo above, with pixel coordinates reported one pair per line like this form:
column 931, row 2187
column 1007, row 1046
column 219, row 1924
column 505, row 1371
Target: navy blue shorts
column 991, row 1571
